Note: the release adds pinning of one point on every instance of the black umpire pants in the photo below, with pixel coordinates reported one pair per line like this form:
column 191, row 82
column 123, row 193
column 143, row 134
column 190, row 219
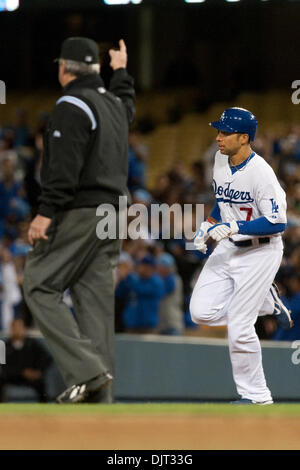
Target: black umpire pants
column 74, row 258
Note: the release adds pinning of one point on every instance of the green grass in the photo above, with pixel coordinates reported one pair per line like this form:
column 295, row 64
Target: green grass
column 174, row 409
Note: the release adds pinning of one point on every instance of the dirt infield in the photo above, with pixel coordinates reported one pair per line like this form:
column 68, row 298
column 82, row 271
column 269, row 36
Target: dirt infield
column 159, row 432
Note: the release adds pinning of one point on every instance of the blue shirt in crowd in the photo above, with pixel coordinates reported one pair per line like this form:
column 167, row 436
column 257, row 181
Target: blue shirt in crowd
column 6, row 195
column 136, row 171
column 144, row 297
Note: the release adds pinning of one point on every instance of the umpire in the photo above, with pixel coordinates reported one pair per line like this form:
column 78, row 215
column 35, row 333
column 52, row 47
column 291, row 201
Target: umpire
column 85, row 164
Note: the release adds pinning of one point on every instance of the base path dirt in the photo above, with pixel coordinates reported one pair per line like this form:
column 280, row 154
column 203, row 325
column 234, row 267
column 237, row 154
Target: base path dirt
column 148, row 432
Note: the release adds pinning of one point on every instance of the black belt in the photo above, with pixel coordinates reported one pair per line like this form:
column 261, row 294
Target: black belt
column 247, row 243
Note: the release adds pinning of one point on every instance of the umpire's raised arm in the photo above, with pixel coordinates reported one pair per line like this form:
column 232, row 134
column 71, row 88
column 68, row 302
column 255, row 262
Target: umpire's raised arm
column 121, row 83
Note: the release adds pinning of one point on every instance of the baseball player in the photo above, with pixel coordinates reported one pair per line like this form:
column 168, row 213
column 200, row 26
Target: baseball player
column 236, row 283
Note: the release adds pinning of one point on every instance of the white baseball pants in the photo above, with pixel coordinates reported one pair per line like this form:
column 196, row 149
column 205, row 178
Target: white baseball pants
column 233, row 289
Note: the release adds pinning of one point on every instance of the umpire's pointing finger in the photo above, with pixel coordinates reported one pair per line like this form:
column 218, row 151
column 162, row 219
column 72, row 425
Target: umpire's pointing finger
column 122, row 45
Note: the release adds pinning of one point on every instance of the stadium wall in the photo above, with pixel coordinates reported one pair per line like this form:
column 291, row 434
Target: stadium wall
column 166, row 368
column 157, row 368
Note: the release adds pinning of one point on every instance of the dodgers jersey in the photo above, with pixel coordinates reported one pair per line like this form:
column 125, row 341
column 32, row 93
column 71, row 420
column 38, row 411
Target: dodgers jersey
column 251, row 192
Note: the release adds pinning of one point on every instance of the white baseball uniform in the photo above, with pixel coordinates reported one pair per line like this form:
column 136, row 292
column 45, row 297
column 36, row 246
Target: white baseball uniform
column 233, row 287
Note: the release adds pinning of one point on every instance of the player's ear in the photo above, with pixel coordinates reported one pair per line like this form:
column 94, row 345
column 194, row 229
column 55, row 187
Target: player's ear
column 244, row 138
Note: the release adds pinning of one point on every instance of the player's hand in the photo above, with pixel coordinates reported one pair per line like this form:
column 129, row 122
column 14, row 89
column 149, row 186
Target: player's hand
column 38, row 228
column 201, row 246
column 118, row 58
column 202, row 236
column 219, row 231
column 223, row 230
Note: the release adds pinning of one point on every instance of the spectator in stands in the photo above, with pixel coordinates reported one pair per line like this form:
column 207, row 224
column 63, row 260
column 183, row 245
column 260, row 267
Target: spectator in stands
column 6, row 139
column 20, row 244
column 291, row 237
column 197, row 187
column 125, row 266
column 13, row 206
column 137, row 159
column 21, row 129
column 144, row 289
column 180, row 182
column 9, row 187
column 32, row 180
column 178, row 175
column 26, row 362
column 144, row 198
column 171, row 306
column 161, row 189
column 10, row 291
column 138, row 249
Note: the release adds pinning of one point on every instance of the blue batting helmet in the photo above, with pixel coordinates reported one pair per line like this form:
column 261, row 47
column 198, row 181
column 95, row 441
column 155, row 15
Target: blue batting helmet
column 237, row 120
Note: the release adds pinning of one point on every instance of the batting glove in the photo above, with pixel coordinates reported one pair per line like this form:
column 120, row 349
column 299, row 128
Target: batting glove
column 223, row 230
column 202, row 236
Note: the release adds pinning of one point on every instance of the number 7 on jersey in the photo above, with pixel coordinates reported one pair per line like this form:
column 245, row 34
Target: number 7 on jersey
column 249, row 211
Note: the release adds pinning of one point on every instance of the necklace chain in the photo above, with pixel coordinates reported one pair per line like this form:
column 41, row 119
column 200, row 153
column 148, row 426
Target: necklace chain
column 240, row 169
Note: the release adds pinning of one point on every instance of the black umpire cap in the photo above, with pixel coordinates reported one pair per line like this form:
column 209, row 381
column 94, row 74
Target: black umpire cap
column 80, row 49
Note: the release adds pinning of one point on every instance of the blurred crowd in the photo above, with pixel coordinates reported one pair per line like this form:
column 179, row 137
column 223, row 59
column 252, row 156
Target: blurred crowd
column 154, row 278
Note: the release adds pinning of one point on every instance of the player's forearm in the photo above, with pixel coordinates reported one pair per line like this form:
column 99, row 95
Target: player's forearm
column 258, row 227
column 122, row 85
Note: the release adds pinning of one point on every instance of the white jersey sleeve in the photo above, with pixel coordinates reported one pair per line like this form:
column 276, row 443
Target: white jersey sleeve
column 270, row 197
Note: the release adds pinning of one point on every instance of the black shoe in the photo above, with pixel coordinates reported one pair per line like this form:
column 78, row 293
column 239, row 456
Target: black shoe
column 104, row 395
column 81, row 393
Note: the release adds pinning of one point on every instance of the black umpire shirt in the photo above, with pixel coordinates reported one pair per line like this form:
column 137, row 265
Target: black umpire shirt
column 85, row 158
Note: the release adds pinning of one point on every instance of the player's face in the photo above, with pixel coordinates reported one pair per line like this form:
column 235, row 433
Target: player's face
column 230, row 143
